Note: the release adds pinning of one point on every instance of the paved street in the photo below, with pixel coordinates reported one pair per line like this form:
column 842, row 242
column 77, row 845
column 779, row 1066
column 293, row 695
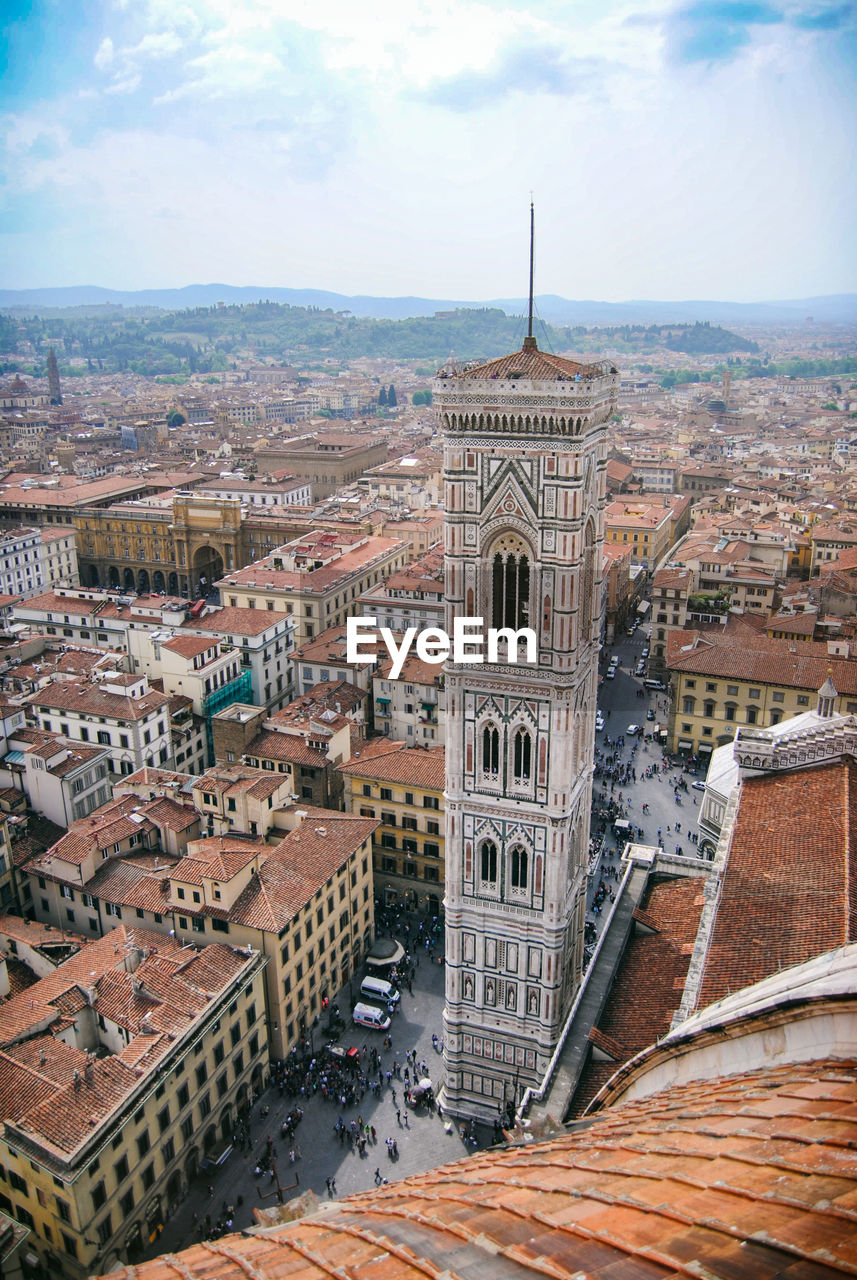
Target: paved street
column 621, row 706
column 422, row 1137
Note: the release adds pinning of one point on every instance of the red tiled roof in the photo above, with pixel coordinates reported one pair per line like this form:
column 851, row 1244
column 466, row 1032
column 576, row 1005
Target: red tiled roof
column 748, row 1177
column 760, row 659
column 421, row 766
column 532, row 364
column 647, row 988
column 789, row 892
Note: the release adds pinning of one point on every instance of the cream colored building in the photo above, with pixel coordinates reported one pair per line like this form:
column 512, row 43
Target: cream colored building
column 302, row 896
column 109, row 1113
column 316, row 578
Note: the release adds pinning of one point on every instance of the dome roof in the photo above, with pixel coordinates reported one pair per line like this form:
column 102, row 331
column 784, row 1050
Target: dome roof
column 744, row 1176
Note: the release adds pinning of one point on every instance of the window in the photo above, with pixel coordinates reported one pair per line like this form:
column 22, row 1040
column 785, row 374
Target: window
column 431, row 850
column 431, row 802
column 778, row 696
column 752, row 715
column 803, row 700
column 521, row 747
column 732, row 690
column 126, row 1204
column 105, row 1230
column 120, row 1168
column 710, row 687
column 491, row 749
column 511, row 591
column 386, row 793
column 729, row 710
column 753, row 693
column 519, row 861
column 708, row 708
column 488, row 856
column 99, row 1196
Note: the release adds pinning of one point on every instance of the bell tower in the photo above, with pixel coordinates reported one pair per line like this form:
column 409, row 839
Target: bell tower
column 524, row 468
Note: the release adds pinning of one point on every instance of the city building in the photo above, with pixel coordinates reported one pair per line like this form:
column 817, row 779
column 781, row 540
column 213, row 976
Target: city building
column 411, row 705
column 120, row 712
column 525, row 455
column 316, row 578
column 109, row 1113
column 719, row 683
column 328, row 460
column 302, row 896
column 402, row 786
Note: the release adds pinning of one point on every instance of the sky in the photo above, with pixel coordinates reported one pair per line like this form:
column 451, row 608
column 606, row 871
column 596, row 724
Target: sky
column 700, row 149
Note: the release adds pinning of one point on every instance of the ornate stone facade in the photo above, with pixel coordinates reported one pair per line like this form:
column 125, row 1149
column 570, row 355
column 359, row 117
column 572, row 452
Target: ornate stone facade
column 525, row 459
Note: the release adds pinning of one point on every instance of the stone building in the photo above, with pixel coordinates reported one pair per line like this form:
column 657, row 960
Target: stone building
column 525, row 457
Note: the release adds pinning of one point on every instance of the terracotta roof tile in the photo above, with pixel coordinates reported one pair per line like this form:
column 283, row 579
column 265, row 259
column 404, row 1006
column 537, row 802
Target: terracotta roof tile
column 786, row 895
column 701, row 1179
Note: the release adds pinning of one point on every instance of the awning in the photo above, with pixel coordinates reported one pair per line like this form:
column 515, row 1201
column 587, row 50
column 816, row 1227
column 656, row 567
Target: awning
column 382, row 699
column 643, row 607
column 684, row 744
column 704, row 748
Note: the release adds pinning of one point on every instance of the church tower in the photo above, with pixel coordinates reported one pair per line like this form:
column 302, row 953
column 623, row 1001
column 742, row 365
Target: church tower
column 54, row 389
column 524, row 467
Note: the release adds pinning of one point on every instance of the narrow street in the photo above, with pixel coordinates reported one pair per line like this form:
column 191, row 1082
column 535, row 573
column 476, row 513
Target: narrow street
column 671, row 813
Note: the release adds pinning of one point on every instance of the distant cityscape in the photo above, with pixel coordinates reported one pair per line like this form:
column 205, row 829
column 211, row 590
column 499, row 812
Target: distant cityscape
column 264, row 904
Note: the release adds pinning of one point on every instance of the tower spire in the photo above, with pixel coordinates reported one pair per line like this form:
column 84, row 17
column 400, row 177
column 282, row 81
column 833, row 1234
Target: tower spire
column 530, row 341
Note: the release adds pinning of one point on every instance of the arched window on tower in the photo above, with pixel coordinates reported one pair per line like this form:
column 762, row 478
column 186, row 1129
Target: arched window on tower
column 510, row 590
column 491, row 749
column 488, row 863
column 519, row 869
column 522, row 745
column 587, row 600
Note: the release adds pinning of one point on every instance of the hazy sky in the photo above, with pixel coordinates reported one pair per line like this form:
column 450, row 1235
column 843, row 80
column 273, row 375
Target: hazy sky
column 703, row 149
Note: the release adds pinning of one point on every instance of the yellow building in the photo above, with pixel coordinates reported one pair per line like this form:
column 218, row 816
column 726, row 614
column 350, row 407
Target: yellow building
column 402, row 787
column 718, row 683
column 122, row 1070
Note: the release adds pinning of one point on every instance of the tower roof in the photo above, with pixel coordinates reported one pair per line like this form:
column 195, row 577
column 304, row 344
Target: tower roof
column 533, row 365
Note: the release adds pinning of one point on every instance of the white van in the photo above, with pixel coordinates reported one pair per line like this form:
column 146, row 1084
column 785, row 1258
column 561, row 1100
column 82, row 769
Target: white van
column 378, row 989
column 366, row 1015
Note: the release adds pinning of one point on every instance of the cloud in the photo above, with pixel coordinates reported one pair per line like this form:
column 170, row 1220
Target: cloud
column 715, row 30
column 533, row 69
column 104, row 54
column 126, row 84
column 826, row 20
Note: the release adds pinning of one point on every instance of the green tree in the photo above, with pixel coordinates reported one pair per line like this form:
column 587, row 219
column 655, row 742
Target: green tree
column 176, row 419
column 391, row 397
column 382, row 398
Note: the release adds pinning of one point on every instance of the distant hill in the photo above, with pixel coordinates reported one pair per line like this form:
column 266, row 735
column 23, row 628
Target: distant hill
column 829, row 309
column 211, row 339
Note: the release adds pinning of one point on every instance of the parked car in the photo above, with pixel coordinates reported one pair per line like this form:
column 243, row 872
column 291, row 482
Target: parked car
column 599, row 720
column 697, row 786
column 645, row 652
column 610, row 673
column 650, row 714
column 640, row 668
column 633, row 730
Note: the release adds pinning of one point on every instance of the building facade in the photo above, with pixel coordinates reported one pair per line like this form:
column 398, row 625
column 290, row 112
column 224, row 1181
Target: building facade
column 525, row 483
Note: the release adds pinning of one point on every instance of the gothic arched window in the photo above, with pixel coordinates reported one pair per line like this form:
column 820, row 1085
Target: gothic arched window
column 588, row 603
column 522, row 745
column 510, row 590
column 519, row 868
column 488, row 855
column 491, row 749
